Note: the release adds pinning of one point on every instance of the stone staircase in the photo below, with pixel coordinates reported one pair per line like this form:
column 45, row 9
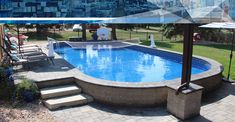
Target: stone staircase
column 62, row 93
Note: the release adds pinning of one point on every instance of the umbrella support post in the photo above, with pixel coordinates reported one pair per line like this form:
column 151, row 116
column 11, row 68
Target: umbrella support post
column 230, row 62
column 18, row 36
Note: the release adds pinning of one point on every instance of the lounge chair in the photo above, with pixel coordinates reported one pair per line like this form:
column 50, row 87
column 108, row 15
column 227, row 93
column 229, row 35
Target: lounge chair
column 31, row 55
column 16, row 59
column 23, row 46
column 20, row 49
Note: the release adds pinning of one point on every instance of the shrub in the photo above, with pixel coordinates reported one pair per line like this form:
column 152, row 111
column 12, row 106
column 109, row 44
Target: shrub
column 26, row 90
column 6, row 82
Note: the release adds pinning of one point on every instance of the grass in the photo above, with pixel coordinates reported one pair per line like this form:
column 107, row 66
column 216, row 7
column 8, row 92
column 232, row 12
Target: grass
column 61, row 36
column 217, row 52
column 121, row 34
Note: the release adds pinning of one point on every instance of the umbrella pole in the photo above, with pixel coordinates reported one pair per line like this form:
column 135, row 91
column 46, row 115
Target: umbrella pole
column 18, row 35
column 187, row 58
column 231, row 57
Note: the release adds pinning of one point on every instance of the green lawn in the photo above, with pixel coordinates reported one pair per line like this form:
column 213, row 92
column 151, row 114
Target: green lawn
column 219, row 53
column 61, row 36
column 121, row 35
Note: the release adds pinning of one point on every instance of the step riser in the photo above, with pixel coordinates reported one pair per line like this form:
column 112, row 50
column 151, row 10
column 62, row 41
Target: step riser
column 68, row 104
column 56, row 82
column 68, row 101
column 60, row 94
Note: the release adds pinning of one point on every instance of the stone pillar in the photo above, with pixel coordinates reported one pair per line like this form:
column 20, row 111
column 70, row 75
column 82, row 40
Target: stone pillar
column 187, row 103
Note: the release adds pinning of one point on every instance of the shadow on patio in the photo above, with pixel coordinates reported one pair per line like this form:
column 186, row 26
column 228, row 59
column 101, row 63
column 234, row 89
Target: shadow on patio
column 44, row 70
column 224, row 91
column 43, row 66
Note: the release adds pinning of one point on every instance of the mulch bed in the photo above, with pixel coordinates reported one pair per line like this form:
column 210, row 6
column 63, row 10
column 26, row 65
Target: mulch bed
column 24, row 112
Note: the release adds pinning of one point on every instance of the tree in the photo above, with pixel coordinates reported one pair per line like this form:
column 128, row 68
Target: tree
column 84, row 32
column 210, row 34
column 40, row 28
column 113, row 32
column 29, row 26
column 125, row 26
column 172, row 30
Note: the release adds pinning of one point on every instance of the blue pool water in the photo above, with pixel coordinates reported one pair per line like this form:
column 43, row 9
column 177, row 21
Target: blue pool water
column 127, row 64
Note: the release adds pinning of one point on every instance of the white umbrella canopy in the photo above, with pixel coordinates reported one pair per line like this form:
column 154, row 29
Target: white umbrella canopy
column 217, row 25
column 229, row 26
column 77, row 27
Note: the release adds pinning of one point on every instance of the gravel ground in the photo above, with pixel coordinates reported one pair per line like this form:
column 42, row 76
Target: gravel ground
column 24, row 112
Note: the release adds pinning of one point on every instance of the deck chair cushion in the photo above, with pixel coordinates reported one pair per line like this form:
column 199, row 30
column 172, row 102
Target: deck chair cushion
column 14, row 44
column 23, row 60
column 15, row 57
column 13, row 47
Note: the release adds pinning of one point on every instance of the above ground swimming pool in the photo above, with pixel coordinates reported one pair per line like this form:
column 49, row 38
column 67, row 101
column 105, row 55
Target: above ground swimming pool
column 124, row 74
column 128, row 64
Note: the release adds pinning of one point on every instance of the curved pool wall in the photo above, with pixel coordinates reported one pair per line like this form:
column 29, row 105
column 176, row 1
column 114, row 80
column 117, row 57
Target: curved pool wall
column 144, row 94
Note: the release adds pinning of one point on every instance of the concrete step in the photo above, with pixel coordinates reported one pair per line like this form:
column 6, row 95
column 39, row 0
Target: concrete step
column 59, row 91
column 55, row 82
column 67, row 101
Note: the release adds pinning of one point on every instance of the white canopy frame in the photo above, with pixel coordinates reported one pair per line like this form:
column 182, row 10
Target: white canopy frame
column 229, row 26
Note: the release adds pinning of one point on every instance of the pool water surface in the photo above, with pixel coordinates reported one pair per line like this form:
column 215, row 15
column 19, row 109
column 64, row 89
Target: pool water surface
column 125, row 64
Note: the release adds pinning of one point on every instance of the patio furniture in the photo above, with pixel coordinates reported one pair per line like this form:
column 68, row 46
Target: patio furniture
column 16, row 48
column 14, row 40
column 10, row 41
column 17, row 59
column 27, row 52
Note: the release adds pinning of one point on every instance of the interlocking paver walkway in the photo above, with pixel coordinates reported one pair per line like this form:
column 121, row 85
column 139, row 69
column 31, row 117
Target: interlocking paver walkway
column 218, row 106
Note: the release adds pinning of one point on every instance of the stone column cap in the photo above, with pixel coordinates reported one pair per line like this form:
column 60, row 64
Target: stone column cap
column 192, row 88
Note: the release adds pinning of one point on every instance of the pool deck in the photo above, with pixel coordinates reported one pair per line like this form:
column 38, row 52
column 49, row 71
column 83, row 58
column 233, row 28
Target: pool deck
column 216, row 106
column 43, row 70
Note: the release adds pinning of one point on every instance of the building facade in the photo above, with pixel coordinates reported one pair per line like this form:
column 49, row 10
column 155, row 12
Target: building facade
column 5, row 8
column 39, row 8
column 102, row 8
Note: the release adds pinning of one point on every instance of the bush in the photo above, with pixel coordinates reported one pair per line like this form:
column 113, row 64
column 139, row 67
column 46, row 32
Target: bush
column 27, row 90
column 6, row 83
